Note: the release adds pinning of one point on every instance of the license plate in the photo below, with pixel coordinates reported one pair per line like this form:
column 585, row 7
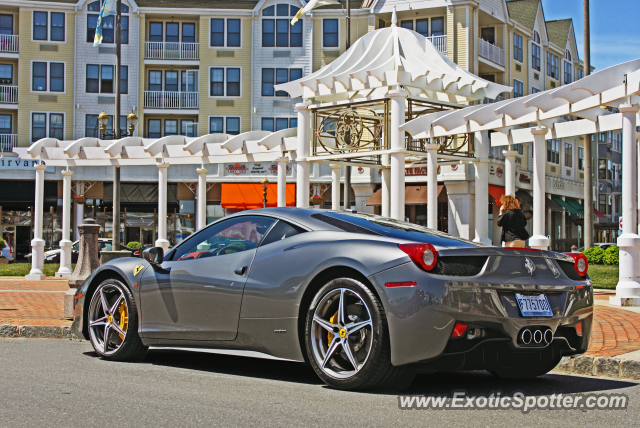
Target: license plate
column 534, row 306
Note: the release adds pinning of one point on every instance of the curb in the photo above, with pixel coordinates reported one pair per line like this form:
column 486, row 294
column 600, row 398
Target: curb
column 599, row 367
column 37, row 332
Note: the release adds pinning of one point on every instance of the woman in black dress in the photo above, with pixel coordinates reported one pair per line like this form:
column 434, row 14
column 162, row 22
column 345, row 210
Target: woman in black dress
column 512, row 222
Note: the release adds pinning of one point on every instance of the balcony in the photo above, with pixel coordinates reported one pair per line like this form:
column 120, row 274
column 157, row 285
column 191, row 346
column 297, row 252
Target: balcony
column 8, row 142
column 9, row 43
column 440, row 42
column 8, row 94
column 170, row 100
column 172, row 51
column 491, row 52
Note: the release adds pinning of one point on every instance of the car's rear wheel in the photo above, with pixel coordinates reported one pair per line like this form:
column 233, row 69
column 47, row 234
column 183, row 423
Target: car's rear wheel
column 347, row 338
column 113, row 323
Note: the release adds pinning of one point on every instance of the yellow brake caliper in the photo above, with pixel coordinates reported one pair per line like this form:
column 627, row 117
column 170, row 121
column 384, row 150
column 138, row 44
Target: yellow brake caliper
column 332, row 320
column 124, row 319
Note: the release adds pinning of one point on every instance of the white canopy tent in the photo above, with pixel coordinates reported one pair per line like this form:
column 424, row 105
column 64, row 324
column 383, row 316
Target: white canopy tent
column 254, row 146
column 576, row 109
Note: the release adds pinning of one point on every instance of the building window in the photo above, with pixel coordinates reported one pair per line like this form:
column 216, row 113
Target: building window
column 124, row 27
column 272, row 124
column 156, row 32
column 581, row 158
column 535, row 90
column 579, row 74
column 173, row 32
column 518, row 88
column 224, row 125
column 488, row 34
column 6, row 25
column 217, row 32
column 437, row 26
column 40, row 24
column 217, row 82
column 233, row 32
column 155, row 80
column 108, row 25
column 45, row 125
column 277, row 76
column 407, row 24
column 552, row 66
column 517, row 47
column 536, row 37
column 536, row 57
column 567, row 72
column 553, row 151
column 568, row 155
column 280, row 32
column 106, row 79
column 92, row 84
column 91, row 128
column 233, row 82
column 224, row 82
column 124, row 79
column 519, row 148
column 57, row 27
column 6, row 74
column 188, row 128
column 329, row 33
column 5, row 124
column 39, row 72
column 170, row 127
column 188, row 33
column 155, row 128
column 171, row 82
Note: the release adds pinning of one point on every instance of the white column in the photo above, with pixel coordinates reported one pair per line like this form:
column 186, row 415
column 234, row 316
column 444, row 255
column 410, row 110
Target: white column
column 539, row 240
column 302, row 181
column 386, row 186
column 282, row 181
column 509, row 172
column 398, row 98
column 65, row 244
column 432, row 186
column 79, row 217
column 335, row 187
column 201, row 211
column 628, row 288
column 638, row 169
column 163, row 169
column 37, row 244
column 481, row 145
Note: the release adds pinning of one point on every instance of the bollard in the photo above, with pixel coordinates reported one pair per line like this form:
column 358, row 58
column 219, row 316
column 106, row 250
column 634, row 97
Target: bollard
column 87, row 262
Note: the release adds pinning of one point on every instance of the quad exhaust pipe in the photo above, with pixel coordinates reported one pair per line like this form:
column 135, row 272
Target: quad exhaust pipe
column 536, row 336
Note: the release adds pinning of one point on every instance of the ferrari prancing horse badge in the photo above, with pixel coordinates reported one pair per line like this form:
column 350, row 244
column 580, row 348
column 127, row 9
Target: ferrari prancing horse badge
column 137, row 270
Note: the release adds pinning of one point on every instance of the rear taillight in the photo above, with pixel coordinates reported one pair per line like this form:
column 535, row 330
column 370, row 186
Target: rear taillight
column 137, row 253
column 579, row 328
column 580, row 264
column 424, row 255
column 459, row 329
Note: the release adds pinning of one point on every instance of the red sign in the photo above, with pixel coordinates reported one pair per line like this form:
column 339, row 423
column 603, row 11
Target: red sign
column 524, row 178
column 416, row 171
column 237, row 169
column 499, row 172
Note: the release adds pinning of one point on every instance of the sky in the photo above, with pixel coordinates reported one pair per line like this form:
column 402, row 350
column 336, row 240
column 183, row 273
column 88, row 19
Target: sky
column 615, row 32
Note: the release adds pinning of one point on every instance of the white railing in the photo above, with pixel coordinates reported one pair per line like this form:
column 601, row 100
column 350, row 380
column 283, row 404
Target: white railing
column 491, row 52
column 170, row 100
column 171, row 50
column 9, row 43
column 8, row 94
column 440, row 42
column 8, row 142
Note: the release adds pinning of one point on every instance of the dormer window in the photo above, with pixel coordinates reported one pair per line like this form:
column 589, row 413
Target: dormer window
column 536, row 37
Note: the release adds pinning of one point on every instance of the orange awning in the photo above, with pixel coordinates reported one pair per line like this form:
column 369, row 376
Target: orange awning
column 249, row 196
column 496, row 192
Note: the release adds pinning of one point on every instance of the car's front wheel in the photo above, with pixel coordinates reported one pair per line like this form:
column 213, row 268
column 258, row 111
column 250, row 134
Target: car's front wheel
column 347, row 338
column 113, row 323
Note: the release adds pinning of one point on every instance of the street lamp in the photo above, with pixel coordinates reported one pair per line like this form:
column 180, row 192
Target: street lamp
column 132, row 122
column 265, row 184
column 103, row 120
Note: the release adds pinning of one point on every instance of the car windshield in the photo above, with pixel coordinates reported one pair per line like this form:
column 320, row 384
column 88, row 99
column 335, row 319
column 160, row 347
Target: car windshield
column 400, row 230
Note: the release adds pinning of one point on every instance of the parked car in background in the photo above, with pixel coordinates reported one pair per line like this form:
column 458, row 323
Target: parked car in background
column 7, row 252
column 104, row 244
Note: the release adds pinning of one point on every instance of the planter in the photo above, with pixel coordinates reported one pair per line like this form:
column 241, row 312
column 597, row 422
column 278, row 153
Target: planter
column 80, row 200
column 316, row 201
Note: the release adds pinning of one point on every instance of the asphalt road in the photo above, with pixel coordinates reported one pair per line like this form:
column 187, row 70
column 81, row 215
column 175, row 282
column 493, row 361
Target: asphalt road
column 64, row 384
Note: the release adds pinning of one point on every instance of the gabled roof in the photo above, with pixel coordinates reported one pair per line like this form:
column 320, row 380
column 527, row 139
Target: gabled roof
column 558, row 31
column 523, row 11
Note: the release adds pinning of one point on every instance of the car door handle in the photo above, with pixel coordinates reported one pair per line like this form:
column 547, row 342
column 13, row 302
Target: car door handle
column 240, row 271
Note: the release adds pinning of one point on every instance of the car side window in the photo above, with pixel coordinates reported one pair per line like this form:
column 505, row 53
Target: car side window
column 76, row 246
column 105, row 246
column 282, row 230
column 226, row 237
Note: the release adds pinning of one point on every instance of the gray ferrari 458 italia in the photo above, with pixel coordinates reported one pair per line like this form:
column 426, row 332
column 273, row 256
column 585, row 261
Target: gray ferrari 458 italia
column 366, row 300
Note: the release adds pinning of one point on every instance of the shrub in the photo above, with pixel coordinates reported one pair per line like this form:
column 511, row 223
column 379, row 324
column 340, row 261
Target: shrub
column 611, row 255
column 134, row 245
column 594, row 255
column 1, row 244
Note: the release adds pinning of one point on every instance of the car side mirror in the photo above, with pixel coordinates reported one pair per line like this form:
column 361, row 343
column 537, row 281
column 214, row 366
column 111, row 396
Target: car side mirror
column 154, row 255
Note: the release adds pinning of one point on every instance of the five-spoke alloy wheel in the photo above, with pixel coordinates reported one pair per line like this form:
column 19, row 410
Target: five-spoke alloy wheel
column 113, row 322
column 347, row 339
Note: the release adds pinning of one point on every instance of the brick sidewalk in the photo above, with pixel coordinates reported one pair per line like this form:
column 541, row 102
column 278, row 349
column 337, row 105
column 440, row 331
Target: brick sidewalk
column 40, row 303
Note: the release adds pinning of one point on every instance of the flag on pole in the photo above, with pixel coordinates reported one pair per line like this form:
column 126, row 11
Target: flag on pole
column 312, row 4
column 109, row 7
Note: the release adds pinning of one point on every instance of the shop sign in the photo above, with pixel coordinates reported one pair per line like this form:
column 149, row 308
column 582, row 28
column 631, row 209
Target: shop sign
column 13, row 163
column 499, row 172
column 360, row 170
column 524, row 178
column 492, row 170
column 558, row 185
column 418, row 171
column 256, row 168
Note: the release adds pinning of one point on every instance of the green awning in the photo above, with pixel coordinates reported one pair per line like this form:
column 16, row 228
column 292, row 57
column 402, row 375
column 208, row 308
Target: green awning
column 568, row 207
column 576, row 205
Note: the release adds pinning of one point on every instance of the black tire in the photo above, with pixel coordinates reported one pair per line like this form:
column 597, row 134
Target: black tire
column 377, row 372
column 131, row 348
column 524, row 369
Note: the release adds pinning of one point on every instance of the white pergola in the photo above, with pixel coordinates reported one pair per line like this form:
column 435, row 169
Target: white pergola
column 254, row 146
column 580, row 108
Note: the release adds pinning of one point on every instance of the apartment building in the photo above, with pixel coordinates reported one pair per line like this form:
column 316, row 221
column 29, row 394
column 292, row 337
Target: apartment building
column 193, row 67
